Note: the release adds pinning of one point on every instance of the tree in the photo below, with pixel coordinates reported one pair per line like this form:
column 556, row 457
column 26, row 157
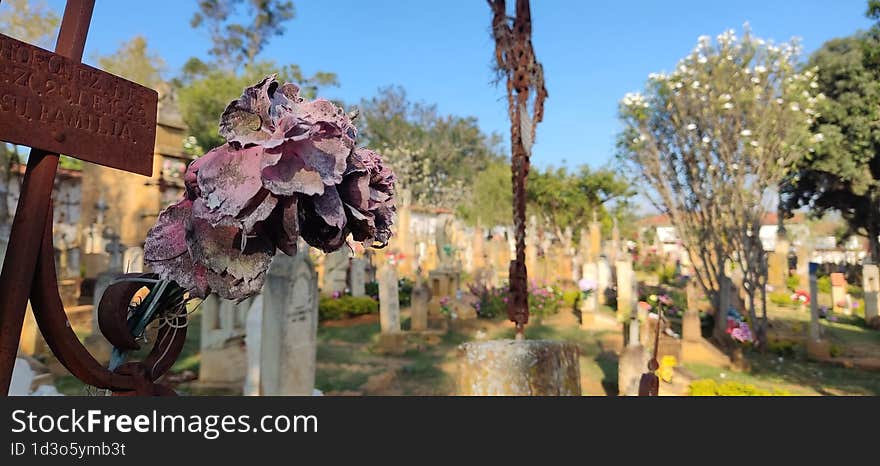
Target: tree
column 712, row 141
column 135, row 62
column 31, row 22
column 239, row 43
column 491, row 189
column 205, row 91
column 844, row 173
column 564, row 199
column 438, row 158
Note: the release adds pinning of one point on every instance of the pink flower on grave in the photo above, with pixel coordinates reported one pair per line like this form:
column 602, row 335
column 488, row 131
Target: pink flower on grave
column 290, row 169
column 742, row 333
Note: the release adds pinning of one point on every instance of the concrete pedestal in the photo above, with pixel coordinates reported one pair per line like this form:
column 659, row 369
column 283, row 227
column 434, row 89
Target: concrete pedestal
column 518, row 368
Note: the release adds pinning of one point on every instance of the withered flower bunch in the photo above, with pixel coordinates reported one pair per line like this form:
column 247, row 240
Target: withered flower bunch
column 290, row 169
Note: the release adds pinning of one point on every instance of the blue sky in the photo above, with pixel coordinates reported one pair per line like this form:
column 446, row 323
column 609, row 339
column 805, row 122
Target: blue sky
column 593, row 51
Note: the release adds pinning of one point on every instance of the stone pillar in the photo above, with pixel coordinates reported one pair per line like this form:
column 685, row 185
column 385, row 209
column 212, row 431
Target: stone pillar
column 803, row 266
column 691, row 333
column 871, row 286
column 358, row 276
column 777, row 265
column 518, row 368
column 389, row 301
column 633, row 362
column 223, row 356
column 254, row 347
column 133, row 260
column 816, row 347
column 625, row 298
column 595, row 239
column 838, row 293
column 421, row 295
column 335, row 271
column 290, row 327
column 589, row 306
column 603, row 280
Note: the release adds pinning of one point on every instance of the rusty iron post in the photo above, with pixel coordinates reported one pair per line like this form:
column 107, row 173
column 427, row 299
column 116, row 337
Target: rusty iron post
column 33, row 206
column 516, row 62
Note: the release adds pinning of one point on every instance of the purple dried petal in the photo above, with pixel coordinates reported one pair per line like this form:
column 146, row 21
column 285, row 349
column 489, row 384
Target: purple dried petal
column 286, row 174
column 230, row 269
column 322, row 220
column 229, row 181
column 246, row 120
column 283, row 226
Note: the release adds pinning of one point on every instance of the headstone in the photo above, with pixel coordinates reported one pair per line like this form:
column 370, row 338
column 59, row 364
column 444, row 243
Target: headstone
column 22, row 377
column 633, row 362
column 335, row 271
column 614, row 250
column 223, row 354
column 254, row 343
column 838, row 293
column 777, row 265
column 421, row 295
column 725, row 299
column 590, row 305
column 817, row 348
column 803, row 265
column 133, row 260
column 626, row 300
column 603, row 279
column 288, row 345
column 358, row 276
column 595, row 239
column 691, row 333
column 518, row 368
column 389, row 301
column 871, row 286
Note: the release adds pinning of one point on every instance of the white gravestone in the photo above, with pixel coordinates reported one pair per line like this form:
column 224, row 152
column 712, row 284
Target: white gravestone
column 389, row 302
column 288, row 343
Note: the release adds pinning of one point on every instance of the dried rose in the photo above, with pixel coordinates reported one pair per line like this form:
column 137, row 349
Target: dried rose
column 290, row 169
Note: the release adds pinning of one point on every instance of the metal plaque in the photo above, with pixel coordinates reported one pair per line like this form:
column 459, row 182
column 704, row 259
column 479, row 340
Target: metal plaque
column 52, row 103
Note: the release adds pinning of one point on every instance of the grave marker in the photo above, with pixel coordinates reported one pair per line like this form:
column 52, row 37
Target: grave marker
column 58, row 105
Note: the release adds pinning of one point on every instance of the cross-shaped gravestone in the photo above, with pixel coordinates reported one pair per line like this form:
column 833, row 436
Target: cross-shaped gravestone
column 55, row 104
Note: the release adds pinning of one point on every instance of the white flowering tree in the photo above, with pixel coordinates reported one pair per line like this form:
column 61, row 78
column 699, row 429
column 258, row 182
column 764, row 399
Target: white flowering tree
column 712, row 141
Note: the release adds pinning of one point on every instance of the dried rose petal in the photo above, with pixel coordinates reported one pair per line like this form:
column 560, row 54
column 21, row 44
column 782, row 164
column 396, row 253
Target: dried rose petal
column 229, row 180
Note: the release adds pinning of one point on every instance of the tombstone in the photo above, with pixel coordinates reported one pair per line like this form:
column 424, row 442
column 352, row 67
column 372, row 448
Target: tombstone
column 777, row 265
column 389, row 301
column 254, row 344
column 223, row 354
column 633, row 362
column 817, row 348
column 803, row 265
column 478, row 250
column 358, row 276
column 95, row 342
column 725, row 299
column 871, row 286
column 22, row 378
column 626, row 300
column 603, row 279
column 335, row 271
column 288, row 342
column 590, row 305
column 421, row 295
column 133, row 260
column 615, row 242
column 691, row 332
column 595, row 239
column 838, row 294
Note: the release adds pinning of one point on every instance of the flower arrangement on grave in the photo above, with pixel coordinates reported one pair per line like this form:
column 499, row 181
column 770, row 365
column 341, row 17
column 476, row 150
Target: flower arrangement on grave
column 290, row 169
column 801, row 298
column 738, row 328
column 587, row 287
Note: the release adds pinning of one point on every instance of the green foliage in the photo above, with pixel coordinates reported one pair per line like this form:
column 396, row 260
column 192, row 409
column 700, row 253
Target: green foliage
column 563, row 198
column 855, row 291
column 438, row 158
column 205, row 91
column 781, row 298
column 666, row 274
column 491, row 197
column 835, row 351
column 29, row 21
column 783, row 348
column 330, row 308
column 135, row 62
column 544, row 300
column 236, row 43
column 843, row 175
column 793, row 283
column 709, row 387
column 823, row 284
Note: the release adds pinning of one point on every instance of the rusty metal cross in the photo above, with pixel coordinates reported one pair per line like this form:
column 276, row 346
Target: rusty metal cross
column 55, row 104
